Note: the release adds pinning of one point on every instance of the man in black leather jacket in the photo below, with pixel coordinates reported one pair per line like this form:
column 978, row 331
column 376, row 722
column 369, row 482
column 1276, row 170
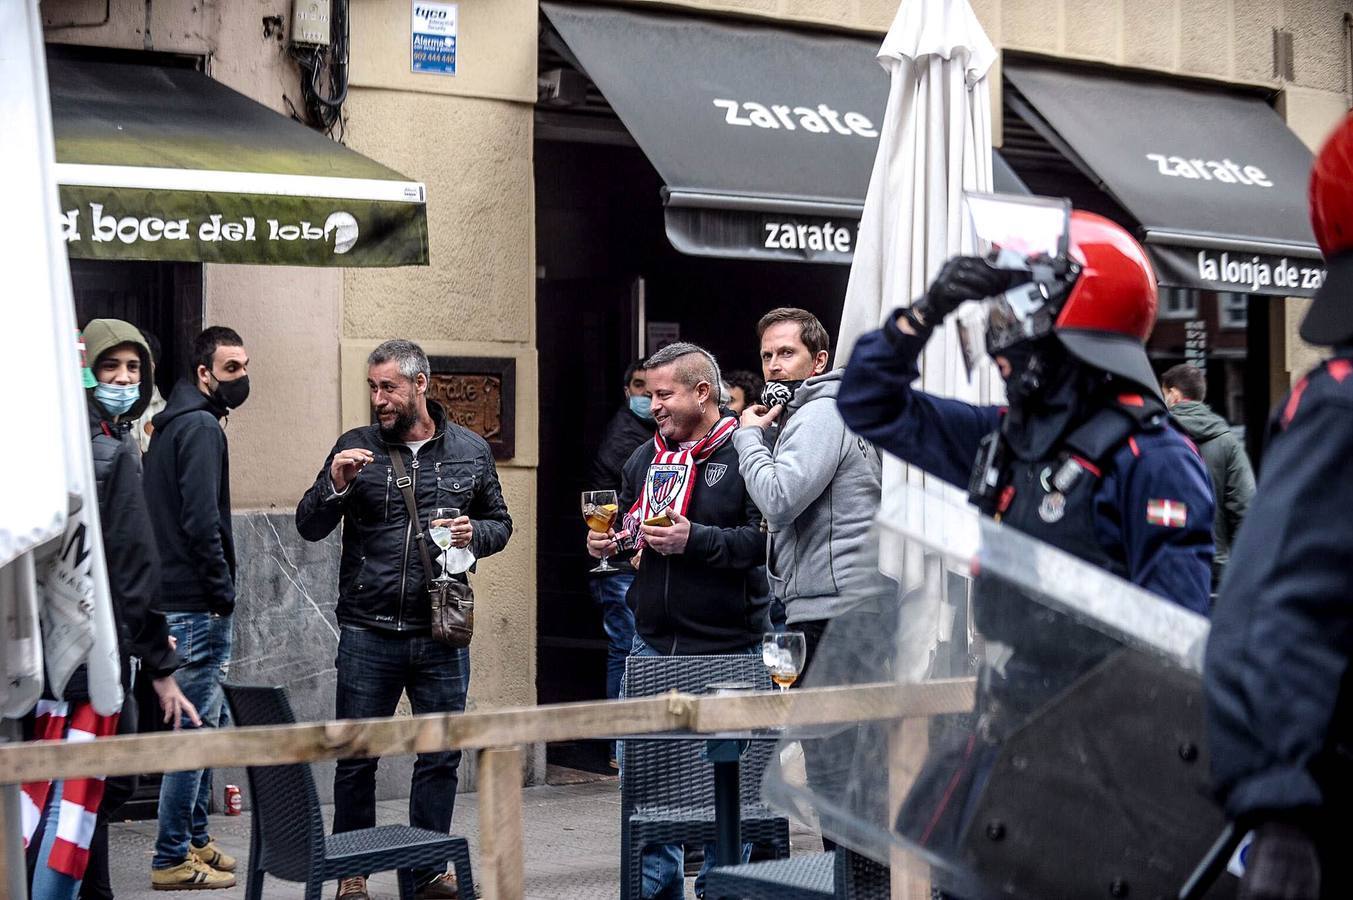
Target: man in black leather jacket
column 386, row 646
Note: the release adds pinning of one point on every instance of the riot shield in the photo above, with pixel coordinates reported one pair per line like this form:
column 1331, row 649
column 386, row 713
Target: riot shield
column 1043, row 739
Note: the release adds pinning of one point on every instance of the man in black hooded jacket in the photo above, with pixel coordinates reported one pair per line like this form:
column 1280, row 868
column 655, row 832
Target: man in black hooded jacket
column 187, row 481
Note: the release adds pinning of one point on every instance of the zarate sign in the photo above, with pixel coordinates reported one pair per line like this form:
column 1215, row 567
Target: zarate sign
column 741, row 234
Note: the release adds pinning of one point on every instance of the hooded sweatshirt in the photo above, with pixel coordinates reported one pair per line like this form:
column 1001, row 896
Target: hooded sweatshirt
column 187, row 479
column 819, row 490
column 129, row 547
column 1232, row 477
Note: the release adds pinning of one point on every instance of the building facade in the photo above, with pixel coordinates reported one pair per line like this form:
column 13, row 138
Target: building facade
column 547, row 251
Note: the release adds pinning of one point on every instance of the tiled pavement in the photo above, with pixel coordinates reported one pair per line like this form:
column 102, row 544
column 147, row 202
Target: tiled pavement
column 572, row 845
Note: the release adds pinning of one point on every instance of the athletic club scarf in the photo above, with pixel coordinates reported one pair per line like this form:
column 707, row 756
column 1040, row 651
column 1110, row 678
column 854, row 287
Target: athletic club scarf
column 80, row 798
column 671, row 477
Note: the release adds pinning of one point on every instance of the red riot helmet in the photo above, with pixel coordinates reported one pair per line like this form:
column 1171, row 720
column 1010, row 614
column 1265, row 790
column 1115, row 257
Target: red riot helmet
column 1111, row 308
column 1330, row 320
column 1101, row 307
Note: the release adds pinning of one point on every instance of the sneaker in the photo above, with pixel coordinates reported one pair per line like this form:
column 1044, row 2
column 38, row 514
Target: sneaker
column 190, row 875
column 443, row 887
column 353, row 888
column 211, row 855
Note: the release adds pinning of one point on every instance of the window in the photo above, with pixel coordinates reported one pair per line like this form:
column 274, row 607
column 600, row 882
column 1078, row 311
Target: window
column 1235, row 310
column 1178, row 303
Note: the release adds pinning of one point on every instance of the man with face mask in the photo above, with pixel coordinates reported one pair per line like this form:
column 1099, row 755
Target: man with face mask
column 187, row 483
column 631, row 426
column 1084, row 458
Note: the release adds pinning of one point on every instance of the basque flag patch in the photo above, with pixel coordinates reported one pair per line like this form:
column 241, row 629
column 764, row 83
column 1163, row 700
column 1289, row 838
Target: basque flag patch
column 1167, row 513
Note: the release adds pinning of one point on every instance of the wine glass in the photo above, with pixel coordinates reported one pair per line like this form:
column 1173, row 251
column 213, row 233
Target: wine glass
column 439, row 529
column 599, row 510
column 783, row 652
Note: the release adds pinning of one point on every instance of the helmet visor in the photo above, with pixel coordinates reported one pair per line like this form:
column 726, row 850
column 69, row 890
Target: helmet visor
column 1026, row 312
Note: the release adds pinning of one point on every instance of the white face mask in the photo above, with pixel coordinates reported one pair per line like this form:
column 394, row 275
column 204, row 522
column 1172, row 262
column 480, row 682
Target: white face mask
column 117, row 399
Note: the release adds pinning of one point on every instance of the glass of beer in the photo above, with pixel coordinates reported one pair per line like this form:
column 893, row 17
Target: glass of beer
column 439, row 530
column 599, row 511
column 783, row 652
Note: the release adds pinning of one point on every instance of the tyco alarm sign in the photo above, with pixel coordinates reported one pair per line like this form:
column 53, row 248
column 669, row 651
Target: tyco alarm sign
column 434, row 37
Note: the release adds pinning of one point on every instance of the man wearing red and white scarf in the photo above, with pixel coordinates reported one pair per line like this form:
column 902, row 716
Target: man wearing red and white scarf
column 699, row 541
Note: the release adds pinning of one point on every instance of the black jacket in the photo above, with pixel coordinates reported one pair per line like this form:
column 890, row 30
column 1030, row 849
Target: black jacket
column 707, row 599
column 380, row 576
column 129, row 551
column 623, row 433
column 1277, row 674
column 187, row 481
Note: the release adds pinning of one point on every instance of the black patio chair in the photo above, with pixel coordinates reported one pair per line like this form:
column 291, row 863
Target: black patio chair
column 667, row 787
column 841, row 874
column 287, row 837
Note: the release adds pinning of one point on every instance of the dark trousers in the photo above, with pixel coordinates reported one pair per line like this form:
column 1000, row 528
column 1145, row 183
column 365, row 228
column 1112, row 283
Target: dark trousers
column 374, row 668
column 812, row 751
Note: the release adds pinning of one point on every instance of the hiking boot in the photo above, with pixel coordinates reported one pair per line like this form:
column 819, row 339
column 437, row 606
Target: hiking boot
column 443, row 887
column 190, row 875
column 212, row 855
column 353, row 888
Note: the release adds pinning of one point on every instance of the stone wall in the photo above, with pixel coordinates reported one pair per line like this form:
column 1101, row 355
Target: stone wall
column 286, row 634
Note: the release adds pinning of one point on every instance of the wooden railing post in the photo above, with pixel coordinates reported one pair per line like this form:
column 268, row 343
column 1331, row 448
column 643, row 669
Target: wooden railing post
column 13, row 870
column 500, row 823
column 907, row 741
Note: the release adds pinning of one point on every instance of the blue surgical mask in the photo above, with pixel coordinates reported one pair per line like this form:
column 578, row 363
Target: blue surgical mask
column 641, row 406
column 116, row 399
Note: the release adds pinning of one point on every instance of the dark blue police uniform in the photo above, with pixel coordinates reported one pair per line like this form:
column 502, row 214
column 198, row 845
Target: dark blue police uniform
column 1277, row 672
column 1122, row 489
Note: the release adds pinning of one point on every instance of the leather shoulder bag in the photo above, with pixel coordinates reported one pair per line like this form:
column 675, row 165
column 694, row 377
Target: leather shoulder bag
column 451, row 602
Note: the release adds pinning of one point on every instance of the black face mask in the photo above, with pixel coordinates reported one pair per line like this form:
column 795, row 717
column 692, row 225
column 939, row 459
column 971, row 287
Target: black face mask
column 779, row 392
column 231, row 394
column 1048, row 391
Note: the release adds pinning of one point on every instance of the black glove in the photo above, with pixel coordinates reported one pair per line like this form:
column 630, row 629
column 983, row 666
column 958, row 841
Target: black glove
column 1282, row 865
column 961, row 278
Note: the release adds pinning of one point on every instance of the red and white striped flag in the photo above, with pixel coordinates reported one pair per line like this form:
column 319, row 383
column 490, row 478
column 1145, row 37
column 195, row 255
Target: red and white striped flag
column 80, row 798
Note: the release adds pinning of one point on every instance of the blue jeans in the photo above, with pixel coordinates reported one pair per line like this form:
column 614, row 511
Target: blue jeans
column 374, row 668
column 664, row 864
column 204, row 642
column 618, row 620
column 49, row 884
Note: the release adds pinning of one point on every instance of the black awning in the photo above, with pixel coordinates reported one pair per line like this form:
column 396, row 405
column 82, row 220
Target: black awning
column 1216, row 180
column 163, row 163
column 765, row 137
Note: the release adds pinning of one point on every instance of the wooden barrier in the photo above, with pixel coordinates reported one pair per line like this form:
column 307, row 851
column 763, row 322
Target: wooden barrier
column 500, row 733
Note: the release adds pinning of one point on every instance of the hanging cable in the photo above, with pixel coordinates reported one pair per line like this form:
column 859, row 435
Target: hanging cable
column 324, row 74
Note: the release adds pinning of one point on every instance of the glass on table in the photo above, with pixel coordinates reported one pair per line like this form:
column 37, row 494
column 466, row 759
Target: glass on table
column 600, row 509
column 439, row 530
column 784, row 653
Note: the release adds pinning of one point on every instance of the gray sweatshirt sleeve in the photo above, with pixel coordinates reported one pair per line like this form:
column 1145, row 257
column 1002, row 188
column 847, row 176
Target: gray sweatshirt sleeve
column 805, row 461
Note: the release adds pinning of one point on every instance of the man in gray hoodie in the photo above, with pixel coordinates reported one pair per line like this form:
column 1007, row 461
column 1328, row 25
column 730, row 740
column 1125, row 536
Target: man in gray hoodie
column 818, row 487
column 1185, row 387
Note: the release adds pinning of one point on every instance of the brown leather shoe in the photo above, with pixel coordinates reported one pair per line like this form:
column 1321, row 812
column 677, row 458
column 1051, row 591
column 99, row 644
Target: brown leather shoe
column 443, row 887
column 353, row 888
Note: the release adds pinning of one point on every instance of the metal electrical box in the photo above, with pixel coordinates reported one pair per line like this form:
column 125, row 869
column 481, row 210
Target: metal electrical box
column 310, row 22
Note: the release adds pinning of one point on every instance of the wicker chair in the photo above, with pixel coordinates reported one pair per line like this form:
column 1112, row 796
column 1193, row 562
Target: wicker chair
column 667, row 787
column 287, row 839
column 841, row 874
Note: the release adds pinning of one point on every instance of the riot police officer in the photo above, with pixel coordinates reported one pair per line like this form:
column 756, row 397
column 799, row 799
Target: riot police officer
column 1277, row 674
column 1084, row 458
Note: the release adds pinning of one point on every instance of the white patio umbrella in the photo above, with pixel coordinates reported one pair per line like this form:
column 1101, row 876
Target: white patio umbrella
column 47, row 490
column 935, row 143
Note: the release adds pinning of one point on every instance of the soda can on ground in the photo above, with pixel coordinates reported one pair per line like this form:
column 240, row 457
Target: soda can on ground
column 234, row 803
